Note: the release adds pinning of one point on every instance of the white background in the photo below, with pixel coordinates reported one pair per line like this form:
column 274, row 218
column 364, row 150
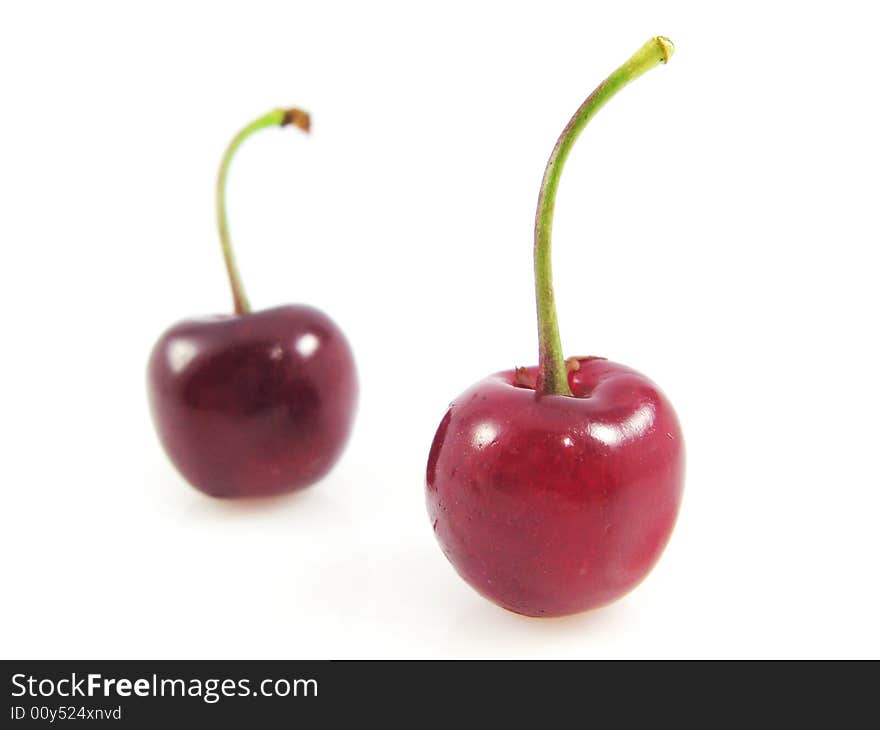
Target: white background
column 717, row 229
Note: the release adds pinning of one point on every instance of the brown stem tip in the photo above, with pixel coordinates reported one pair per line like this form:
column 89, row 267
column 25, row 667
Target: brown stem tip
column 298, row 118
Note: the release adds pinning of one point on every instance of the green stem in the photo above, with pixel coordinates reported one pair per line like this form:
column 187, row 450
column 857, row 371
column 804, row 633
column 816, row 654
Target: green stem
column 552, row 373
column 275, row 118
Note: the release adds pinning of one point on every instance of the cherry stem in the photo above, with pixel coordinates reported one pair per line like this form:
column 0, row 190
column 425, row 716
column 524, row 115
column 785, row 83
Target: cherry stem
column 552, row 372
column 275, row 118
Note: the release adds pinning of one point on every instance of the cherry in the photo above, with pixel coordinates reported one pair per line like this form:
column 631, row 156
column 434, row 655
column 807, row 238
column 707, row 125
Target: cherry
column 254, row 403
column 554, row 489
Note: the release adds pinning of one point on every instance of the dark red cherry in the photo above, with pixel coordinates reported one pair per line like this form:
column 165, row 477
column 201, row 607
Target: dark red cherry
column 554, row 489
column 253, row 403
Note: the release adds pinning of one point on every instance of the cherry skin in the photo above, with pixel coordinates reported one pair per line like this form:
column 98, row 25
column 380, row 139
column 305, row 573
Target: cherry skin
column 550, row 505
column 554, row 489
column 253, row 405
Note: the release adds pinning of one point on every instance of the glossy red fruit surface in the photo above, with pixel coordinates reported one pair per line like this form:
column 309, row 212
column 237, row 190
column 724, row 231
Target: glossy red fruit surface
column 550, row 505
column 254, row 404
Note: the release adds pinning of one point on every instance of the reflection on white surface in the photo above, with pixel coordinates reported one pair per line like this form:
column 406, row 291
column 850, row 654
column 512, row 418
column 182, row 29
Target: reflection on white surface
column 180, row 354
column 636, row 425
column 484, row 434
column 307, row 344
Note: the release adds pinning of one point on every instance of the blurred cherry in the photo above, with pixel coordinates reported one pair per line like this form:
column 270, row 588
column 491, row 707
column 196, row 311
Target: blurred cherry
column 253, row 403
